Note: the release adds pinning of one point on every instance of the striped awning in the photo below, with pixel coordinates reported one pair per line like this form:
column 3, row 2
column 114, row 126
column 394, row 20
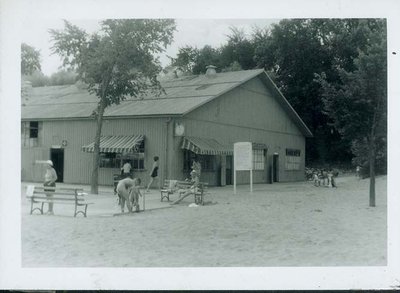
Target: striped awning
column 116, row 144
column 205, row 146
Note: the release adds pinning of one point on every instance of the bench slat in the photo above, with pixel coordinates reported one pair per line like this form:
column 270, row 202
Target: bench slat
column 71, row 196
column 54, row 197
column 58, row 192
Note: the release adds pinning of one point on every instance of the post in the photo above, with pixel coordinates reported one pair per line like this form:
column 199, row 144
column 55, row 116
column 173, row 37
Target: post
column 251, row 181
column 234, row 179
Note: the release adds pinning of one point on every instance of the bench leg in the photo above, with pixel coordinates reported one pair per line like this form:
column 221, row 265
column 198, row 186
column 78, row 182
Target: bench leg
column 84, row 213
column 40, row 209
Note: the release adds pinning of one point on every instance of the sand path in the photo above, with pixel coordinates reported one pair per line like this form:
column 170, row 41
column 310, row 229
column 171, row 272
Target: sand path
column 285, row 224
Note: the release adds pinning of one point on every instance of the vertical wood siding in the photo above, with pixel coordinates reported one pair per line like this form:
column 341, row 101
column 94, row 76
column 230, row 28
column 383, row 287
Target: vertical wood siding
column 250, row 113
column 247, row 113
column 78, row 164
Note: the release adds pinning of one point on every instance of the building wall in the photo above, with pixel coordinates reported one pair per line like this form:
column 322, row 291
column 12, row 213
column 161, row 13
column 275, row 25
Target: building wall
column 78, row 164
column 250, row 113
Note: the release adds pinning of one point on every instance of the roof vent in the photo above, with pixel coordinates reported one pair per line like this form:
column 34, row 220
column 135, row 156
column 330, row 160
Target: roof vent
column 211, row 70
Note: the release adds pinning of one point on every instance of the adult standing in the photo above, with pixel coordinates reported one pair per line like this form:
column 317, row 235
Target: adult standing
column 50, row 178
column 154, row 173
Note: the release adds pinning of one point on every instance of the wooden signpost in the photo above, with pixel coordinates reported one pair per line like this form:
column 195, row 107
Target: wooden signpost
column 243, row 161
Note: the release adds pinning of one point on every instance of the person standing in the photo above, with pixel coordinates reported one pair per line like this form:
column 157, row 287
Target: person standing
column 154, row 173
column 196, row 166
column 126, row 170
column 50, row 178
column 358, row 172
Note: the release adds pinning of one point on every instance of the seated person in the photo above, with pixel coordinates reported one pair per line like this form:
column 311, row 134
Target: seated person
column 194, row 187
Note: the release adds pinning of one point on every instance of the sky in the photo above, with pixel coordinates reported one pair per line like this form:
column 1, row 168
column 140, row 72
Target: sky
column 193, row 32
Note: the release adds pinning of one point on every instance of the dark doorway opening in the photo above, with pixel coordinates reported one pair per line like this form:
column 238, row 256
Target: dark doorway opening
column 275, row 168
column 228, row 174
column 57, row 156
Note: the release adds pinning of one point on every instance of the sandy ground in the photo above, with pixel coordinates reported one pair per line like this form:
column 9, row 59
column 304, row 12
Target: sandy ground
column 284, row 224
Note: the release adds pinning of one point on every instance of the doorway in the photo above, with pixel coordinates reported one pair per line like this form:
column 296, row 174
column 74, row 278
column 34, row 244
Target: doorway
column 275, row 167
column 57, row 156
column 228, row 173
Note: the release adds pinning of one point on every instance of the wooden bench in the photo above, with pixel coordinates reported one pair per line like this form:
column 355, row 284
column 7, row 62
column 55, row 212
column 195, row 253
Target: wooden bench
column 73, row 196
column 180, row 187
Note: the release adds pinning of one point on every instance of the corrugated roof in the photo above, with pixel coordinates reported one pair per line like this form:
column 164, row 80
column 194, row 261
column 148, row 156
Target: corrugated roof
column 182, row 95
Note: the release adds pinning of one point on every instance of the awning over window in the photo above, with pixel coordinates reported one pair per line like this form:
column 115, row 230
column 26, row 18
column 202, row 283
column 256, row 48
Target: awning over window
column 206, row 146
column 259, row 146
column 116, row 144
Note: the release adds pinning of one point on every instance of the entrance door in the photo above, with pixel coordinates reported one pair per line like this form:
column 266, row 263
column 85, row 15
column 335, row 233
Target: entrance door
column 275, row 168
column 57, row 156
column 229, row 167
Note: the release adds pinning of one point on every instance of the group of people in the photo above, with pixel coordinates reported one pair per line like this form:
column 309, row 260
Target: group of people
column 126, row 171
column 128, row 188
column 324, row 178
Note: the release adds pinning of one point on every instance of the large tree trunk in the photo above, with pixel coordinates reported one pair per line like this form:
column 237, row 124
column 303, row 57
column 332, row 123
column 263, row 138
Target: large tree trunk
column 372, row 158
column 94, row 183
column 372, row 175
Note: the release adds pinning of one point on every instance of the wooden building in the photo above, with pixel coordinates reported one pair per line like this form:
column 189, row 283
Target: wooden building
column 198, row 116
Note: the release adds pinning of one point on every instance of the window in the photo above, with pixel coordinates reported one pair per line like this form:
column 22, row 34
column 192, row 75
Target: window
column 293, row 159
column 207, row 162
column 116, row 160
column 258, row 160
column 30, row 133
column 110, row 160
column 33, row 129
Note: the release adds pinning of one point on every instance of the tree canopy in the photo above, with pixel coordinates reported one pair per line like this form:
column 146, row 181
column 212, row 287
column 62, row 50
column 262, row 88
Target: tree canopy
column 357, row 100
column 30, row 59
column 116, row 62
column 295, row 53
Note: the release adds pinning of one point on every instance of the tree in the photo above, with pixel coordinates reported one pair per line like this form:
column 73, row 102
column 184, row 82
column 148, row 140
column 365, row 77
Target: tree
column 357, row 101
column 293, row 53
column 30, row 59
column 238, row 50
column 236, row 54
column 185, row 59
column 207, row 56
column 116, row 62
column 63, row 77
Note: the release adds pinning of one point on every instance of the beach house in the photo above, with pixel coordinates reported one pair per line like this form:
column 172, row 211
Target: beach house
column 198, row 116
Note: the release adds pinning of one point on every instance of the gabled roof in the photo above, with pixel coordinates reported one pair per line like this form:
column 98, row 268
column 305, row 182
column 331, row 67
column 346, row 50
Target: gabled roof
column 183, row 95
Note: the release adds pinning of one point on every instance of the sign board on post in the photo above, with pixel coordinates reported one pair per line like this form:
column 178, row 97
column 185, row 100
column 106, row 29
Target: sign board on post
column 243, row 161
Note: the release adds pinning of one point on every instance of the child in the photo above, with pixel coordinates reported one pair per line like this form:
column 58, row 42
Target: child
column 317, row 182
column 134, row 194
